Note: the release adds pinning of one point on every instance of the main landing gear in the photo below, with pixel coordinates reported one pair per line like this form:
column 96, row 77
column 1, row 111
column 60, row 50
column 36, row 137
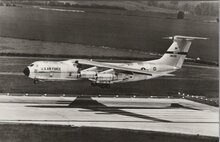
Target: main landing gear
column 36, row 81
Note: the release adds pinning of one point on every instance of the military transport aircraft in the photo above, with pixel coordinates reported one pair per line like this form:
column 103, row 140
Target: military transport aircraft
column 103, row 74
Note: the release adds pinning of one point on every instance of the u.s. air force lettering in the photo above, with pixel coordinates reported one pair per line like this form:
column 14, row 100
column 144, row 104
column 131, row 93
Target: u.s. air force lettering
column 51, row 69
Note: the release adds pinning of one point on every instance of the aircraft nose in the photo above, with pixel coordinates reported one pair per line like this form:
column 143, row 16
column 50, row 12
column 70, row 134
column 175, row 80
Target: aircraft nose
column 26, row 71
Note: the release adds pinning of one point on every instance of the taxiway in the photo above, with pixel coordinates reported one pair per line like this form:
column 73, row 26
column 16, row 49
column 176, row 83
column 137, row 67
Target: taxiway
column 150, row 114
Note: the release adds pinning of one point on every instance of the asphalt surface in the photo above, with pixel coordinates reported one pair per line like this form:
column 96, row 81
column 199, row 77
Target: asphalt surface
column 150, row 114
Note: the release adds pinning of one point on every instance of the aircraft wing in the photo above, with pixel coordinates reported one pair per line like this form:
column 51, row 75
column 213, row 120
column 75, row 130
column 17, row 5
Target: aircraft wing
column 110, row 66
column 117, row 67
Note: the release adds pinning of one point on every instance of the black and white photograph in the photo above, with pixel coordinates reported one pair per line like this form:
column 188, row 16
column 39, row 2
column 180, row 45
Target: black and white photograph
column 109, row 71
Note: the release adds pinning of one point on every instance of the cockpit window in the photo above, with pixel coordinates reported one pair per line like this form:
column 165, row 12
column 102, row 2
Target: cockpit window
column 31, row 65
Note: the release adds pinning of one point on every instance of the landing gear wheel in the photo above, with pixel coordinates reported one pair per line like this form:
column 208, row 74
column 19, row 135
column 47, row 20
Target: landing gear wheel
column 100, row 85
column 105, row 85
column 36, row 81
column 93, row 84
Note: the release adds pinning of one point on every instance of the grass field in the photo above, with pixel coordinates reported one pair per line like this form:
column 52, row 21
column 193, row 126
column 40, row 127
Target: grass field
column 124, row 31
column 59, row 49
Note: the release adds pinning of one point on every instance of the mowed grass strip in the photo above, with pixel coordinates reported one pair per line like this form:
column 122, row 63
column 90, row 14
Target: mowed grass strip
column 15, row 46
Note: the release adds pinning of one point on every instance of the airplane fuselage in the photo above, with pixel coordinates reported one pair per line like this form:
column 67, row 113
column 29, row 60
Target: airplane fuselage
column 109, row 73
column 69, row 70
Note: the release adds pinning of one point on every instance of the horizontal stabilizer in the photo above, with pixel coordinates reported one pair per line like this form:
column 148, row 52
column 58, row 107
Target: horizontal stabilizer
column 185, row 38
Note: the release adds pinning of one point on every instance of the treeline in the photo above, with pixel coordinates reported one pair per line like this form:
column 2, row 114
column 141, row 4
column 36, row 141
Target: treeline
column 207, row 9
column 85, row 6
column 7, row 4
column 204, row 8
column 66, row 4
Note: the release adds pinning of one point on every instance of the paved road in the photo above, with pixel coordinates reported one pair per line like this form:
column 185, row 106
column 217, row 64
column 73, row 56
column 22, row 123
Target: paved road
column 152, row 114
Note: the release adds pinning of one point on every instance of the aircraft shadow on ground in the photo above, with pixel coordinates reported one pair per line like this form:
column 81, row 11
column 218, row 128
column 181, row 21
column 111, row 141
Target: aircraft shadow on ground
column 93, row 105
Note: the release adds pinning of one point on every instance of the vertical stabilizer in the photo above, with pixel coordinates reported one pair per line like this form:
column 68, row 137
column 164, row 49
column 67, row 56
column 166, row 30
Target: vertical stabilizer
column 177, row 52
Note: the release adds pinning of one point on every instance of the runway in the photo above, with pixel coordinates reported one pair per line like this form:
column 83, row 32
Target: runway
column 150, row 114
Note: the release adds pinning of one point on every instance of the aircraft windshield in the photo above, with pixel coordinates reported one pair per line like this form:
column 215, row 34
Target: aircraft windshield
column 31, row 65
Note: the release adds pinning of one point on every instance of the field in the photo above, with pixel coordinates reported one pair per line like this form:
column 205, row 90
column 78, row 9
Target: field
column 30, row 48
column 120, row 31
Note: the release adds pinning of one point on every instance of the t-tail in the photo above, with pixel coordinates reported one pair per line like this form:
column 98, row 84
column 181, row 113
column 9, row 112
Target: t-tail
column 177, row 52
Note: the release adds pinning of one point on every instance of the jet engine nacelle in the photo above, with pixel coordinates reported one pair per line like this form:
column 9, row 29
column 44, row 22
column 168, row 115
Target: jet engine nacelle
column 106, row 77
column 88, row 74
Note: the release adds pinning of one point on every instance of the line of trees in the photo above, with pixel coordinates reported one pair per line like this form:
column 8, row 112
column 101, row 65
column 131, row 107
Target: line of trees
column 204, row 8
column 67, row 4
